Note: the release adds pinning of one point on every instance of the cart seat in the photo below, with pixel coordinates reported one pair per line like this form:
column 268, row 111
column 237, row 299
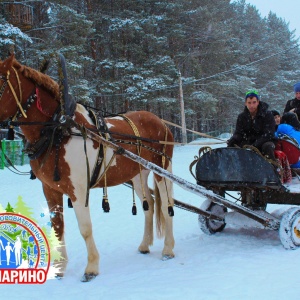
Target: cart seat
column 236, row 167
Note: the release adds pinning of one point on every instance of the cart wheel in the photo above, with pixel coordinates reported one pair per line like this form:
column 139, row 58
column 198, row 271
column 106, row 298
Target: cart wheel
column 289, row 231
column 207, row 225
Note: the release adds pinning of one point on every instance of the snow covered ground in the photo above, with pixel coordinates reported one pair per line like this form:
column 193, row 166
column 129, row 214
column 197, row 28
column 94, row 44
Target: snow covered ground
column 238, row 263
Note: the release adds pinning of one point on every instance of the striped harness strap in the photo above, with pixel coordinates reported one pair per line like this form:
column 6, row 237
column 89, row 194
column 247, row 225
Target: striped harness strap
column 139, row 150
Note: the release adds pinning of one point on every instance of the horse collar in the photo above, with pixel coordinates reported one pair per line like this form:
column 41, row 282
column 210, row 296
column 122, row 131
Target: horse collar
column 27, row 105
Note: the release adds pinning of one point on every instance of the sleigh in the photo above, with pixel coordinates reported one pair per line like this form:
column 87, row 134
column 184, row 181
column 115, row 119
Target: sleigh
column 257, row 183
column 137, row 143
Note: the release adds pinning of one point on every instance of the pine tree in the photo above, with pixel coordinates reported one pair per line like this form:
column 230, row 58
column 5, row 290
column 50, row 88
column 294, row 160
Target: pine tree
column 54, row 245
column 9, row 208
column 126, row 55
column 11, row 39
column 22, row 208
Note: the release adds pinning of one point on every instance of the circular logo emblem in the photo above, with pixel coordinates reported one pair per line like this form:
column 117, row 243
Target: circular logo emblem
column 24, row 250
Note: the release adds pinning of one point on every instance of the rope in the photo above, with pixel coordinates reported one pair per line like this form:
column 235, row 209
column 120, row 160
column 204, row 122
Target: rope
column 193, row 131
column 14, row 93
column 5, row 124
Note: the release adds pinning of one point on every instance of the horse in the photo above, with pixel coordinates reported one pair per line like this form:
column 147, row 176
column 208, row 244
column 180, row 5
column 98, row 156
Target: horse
column 32, row 100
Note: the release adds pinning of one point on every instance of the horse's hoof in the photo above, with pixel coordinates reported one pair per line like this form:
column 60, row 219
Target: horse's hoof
column 167, row 257
column 59, row 276
column 87, row 277
column 144, row 251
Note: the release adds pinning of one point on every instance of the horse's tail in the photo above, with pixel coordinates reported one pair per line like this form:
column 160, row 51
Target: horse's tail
column 160, row 220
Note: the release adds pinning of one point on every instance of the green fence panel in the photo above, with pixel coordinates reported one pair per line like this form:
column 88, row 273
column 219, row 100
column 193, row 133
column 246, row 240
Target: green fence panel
column 14, row 151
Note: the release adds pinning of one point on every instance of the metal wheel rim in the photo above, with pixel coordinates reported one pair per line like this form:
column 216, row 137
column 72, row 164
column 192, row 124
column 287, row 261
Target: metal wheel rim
column 219, row 211
column 296, row 230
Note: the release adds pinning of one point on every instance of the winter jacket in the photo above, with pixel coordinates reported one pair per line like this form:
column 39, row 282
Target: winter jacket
column 293, row 103
column 255, row 131
column 286, row 129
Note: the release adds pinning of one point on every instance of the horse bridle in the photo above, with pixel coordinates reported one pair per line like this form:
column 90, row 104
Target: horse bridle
column 3, row 85
column 6, row 82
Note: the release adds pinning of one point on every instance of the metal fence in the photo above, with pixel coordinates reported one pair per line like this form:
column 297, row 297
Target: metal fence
column 12, row 151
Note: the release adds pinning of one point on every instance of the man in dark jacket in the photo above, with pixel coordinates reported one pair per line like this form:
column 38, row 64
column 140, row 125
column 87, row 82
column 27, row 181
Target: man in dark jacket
column 255, row 126
column 293, row 105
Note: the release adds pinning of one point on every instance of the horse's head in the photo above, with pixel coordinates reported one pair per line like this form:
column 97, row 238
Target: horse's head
column 21, row 85
column 11, row 89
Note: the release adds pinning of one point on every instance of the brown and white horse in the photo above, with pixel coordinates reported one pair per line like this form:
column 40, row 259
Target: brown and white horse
column 17, row 85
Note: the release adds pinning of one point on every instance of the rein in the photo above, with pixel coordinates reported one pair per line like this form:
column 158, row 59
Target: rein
column 7, row 124
column 10, row 165
column 126, row 142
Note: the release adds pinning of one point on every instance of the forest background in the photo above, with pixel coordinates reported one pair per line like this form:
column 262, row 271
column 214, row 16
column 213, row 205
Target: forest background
column 131, row 55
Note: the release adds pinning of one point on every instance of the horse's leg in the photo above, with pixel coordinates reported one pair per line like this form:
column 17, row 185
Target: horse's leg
column 55, row 204
column 85, row 227
column 165, row 188
column 148, row 227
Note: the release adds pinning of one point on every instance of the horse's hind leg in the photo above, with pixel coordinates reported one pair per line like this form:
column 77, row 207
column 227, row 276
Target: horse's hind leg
column 148, row 227
column 55, row 204
column 85, row 227
column 165, row 188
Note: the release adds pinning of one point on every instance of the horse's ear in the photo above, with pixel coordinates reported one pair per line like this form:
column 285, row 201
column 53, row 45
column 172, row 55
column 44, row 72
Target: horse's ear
column 7, row 64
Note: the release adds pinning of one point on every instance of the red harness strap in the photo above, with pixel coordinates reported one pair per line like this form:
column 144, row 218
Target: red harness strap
column 39, row 103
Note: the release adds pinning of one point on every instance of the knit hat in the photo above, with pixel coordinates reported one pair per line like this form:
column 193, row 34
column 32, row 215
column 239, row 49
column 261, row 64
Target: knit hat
column 291, row 119
column 297, row 87
column 252, row 93
column 275, row 112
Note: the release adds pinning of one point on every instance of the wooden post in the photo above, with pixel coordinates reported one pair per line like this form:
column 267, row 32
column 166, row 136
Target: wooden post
column 183, row 125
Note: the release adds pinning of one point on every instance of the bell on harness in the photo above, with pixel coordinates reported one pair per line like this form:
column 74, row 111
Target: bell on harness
column 10, row 134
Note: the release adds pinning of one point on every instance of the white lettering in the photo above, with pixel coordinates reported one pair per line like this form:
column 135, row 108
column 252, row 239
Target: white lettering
column 34, row 276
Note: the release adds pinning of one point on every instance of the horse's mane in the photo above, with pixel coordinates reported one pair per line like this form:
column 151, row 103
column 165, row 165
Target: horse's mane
column 39, row 78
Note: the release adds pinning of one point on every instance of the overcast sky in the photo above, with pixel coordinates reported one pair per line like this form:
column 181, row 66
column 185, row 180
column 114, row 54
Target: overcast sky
column 286, row 9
